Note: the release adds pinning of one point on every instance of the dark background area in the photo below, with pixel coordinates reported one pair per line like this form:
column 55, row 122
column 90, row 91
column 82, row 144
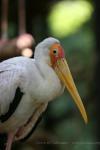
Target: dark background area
column 62, row 127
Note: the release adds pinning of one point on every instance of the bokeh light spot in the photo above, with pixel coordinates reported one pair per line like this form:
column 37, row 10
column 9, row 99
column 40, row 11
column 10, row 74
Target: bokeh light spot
column 68, row 16
column 27, row 52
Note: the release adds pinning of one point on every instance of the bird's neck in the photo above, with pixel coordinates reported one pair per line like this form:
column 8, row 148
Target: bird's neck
column 49, row 86
column 44, row 68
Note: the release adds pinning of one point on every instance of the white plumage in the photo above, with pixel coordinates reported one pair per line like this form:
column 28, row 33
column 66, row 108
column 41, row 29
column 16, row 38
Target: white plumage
column 38, row 82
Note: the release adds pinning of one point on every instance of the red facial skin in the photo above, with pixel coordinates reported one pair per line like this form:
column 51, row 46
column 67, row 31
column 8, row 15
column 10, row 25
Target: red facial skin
column 56, row 52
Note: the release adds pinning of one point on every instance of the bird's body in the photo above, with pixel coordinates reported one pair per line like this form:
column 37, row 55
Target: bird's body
column 37, row 88
column 37, row 83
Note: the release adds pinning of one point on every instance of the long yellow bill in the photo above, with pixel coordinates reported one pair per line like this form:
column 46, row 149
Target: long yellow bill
column 64, row 74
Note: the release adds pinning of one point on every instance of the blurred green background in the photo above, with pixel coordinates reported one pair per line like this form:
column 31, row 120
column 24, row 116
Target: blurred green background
column 76, row 24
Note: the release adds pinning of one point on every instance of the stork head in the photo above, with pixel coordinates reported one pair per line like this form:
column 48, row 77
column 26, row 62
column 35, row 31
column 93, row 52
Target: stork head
column 53, row 53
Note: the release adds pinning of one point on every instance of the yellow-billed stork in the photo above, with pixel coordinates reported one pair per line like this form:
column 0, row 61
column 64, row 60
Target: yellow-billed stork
column 27, row 85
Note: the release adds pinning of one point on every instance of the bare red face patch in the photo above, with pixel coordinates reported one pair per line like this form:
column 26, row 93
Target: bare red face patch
column 56, row 52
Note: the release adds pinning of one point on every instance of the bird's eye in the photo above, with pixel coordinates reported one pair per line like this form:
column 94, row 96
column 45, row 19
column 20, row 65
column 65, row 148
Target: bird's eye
column 55, row 51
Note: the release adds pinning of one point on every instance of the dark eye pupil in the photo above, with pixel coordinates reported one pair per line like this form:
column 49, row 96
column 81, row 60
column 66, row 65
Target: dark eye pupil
column 54, row 51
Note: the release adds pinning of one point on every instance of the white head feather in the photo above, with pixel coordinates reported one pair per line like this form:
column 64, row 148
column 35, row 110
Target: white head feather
column 42, row 49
